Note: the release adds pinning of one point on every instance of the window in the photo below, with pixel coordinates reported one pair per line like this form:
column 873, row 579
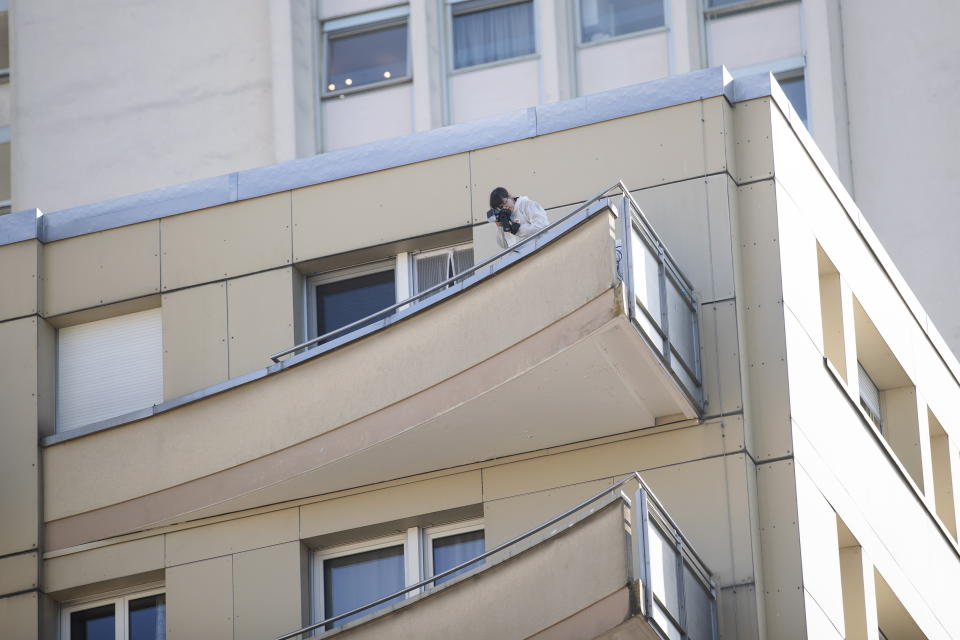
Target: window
column 710, row 4
column 139, row 616
column 340, row 297
column 603, row 19
column 366, row 49
column 870, row 397
column 351, row 576
column 795, row 88
column 109, row 367
column 488, row 30
column 433, row 267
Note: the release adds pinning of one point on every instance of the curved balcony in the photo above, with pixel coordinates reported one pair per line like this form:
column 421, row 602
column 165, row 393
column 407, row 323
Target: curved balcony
column 585, row 330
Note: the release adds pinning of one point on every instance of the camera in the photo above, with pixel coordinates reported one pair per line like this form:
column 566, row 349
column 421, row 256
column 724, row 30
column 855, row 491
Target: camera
column 503, row 216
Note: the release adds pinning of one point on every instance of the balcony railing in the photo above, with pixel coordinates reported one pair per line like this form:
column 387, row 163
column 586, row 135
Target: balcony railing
column 678, row 596
column 664, row 308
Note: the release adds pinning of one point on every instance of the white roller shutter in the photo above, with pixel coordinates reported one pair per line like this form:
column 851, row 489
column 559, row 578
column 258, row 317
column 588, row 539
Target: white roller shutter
column 109, row 367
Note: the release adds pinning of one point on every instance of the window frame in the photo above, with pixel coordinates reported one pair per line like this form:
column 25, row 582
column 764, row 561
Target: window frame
column 373, row 24
column 417, row 545
column 400, row 280
column 876, row 418
column 578, row 28
column 319, row 556
column 427, row 253
column 443, row 531
column 739, row 6
column 452, row 70
column 119, row 599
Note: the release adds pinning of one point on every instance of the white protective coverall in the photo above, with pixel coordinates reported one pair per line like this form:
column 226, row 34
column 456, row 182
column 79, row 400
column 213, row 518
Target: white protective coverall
column 530, row 215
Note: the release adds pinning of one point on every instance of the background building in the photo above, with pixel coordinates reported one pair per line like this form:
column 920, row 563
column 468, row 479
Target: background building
column 747, row 346
column 111, row 100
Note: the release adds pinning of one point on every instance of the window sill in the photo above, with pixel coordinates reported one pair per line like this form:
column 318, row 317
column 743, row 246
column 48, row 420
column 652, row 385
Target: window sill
column 621, row 38
column 740, row 7
column 495, row 63
column 339, row 93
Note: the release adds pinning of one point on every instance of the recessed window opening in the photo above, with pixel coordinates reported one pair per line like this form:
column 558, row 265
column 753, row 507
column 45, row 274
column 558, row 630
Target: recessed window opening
column 341, row 297
column 140, row 616
column 942, row 458
column 350, row 576
column 491, row 30
column 366, row 49
column 604, row 19
column 870, row 397
column 430, row 268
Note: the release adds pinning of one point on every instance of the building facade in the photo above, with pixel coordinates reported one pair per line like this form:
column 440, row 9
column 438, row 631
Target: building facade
column 178, row 463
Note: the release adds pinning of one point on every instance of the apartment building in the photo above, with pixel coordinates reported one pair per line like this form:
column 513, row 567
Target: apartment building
column 703, row 403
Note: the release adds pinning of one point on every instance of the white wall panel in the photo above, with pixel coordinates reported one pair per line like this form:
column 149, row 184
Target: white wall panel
column 109, row 367
column 366, row 117
column 623, row 62
column 752, row 37
column 471, row 96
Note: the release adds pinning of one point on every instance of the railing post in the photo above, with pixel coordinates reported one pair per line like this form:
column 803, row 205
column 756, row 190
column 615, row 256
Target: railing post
column 626, row 226
column 643, row 538
column 681, row 592
column 664, row 316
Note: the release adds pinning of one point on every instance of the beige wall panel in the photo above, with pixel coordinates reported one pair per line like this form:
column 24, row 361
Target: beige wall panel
column 737, row 613
column 194, row 339
column 391, row 503
column 385, row 113
column 508, row 517
column 708, row 500
column 763, row 320
column 375, row 208
column 231, row 536
column 46, row 377
column 226, row 241
column 267, row 592
column 692, row 218
column 227, row 429
column 775, row 33
column 19, row 478
column 603, row 461
column 200, row 600
column 19, row 616
column 103, row 563
column 599, row 69
column 260, row 317
column 752, row 135
column 644, row 150
column 780, row 546
column 18, row 268
column 720, row 361
column 18, row 573
column 98, row 268
column 821, row 556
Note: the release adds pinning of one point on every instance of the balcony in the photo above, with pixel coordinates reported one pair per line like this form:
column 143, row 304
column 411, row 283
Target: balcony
column 610, row 567
column 586, row 330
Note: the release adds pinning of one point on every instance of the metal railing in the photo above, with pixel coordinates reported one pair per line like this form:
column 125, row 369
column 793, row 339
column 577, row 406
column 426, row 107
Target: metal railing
column 664, row 308
column 680, row 595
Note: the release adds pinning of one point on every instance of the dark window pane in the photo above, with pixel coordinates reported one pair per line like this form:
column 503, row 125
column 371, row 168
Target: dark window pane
column 602, row 19
column 353, row 581
column 795, row 89
column 93, row 624
column 366, row 57
column 492, row 34
column 345, row 301
column 450, row 551
column 722, row 3
column 148, row 618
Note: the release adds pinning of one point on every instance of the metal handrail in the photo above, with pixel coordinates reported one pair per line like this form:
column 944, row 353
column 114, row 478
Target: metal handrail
column 449, row 281
column 660, row 511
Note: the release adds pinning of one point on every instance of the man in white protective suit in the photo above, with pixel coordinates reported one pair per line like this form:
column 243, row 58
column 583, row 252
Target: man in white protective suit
column 526, row 217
